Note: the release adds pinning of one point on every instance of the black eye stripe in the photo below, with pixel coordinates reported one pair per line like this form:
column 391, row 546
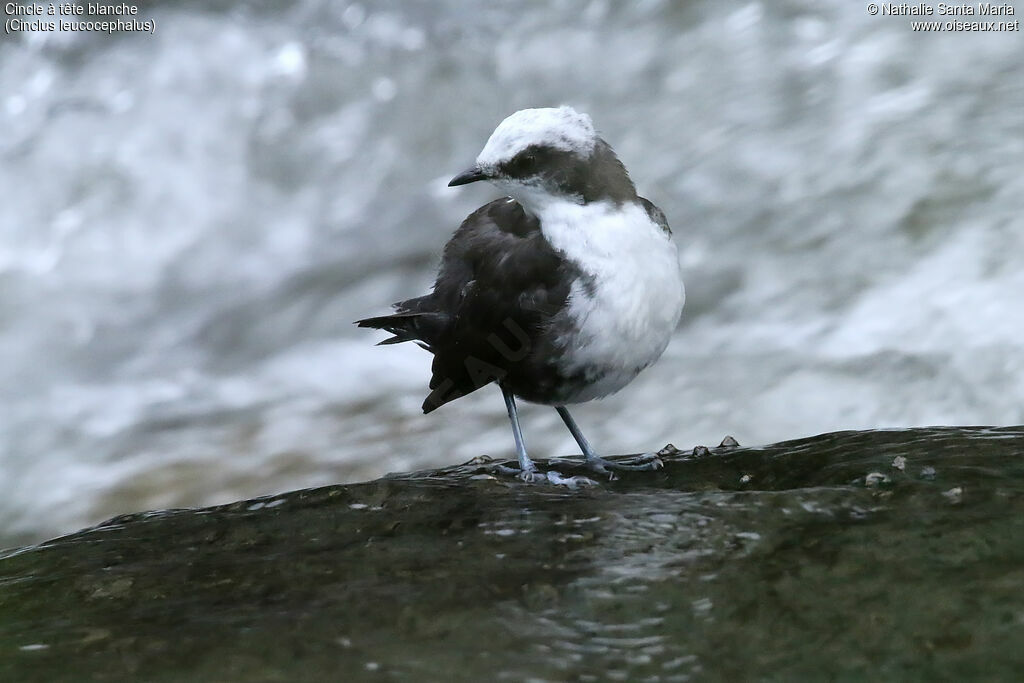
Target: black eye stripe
column 526, row 163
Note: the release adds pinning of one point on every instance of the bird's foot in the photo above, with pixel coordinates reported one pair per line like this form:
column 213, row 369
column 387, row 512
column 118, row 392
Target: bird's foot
column 532, row 475
column 575, row 482
column 645, row 462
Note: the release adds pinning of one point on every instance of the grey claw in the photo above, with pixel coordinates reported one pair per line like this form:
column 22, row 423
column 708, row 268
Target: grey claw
column 552, row 477
column 532, row 476
column 570, row 482
column 647, row 461
column 602, row 466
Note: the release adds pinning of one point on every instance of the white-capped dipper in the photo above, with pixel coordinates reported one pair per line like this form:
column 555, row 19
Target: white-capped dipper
column 561, row 292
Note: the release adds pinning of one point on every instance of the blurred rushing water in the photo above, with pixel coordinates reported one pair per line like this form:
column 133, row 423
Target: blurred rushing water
column 191, row 220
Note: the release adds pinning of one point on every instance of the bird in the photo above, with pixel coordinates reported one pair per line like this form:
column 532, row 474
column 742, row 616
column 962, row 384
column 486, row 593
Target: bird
column 560, row 292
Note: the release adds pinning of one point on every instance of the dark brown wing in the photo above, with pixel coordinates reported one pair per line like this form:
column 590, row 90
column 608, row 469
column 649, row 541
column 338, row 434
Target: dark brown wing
column 501, row 283
column 499, row 288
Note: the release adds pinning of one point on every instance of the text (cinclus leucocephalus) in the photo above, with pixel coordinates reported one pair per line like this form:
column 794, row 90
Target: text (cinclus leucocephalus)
column 561, row 292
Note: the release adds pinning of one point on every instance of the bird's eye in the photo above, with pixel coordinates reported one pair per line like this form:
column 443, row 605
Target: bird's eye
column 524, row 164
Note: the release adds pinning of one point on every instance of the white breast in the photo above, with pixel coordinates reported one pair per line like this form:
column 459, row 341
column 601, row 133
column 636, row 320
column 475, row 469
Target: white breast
column 625, row 320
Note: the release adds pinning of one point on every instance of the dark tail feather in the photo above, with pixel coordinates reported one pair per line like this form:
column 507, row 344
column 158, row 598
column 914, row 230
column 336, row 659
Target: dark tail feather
column 392, row 340
column 402, row 325
column 406, row 327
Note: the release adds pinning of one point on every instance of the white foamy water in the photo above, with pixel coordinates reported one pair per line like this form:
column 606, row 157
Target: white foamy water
column 192, row 220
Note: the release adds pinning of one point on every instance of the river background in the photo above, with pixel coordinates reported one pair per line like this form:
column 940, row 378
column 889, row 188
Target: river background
column 191, row 220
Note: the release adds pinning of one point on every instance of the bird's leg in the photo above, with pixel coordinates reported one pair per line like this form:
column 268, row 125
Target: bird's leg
column 527, row 470
column 593, row 460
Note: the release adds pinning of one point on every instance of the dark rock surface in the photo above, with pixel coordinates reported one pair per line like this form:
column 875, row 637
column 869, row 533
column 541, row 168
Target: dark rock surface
column 883, row 555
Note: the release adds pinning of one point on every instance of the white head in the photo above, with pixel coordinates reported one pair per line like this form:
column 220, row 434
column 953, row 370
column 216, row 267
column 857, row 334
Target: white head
column 543, row 155
column 563, row 128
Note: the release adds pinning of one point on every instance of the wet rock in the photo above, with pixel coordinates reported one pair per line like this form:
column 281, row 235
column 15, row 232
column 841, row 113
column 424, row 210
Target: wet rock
column 772, row 562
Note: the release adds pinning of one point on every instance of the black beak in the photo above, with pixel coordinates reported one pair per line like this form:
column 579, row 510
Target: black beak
column 468, row 176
